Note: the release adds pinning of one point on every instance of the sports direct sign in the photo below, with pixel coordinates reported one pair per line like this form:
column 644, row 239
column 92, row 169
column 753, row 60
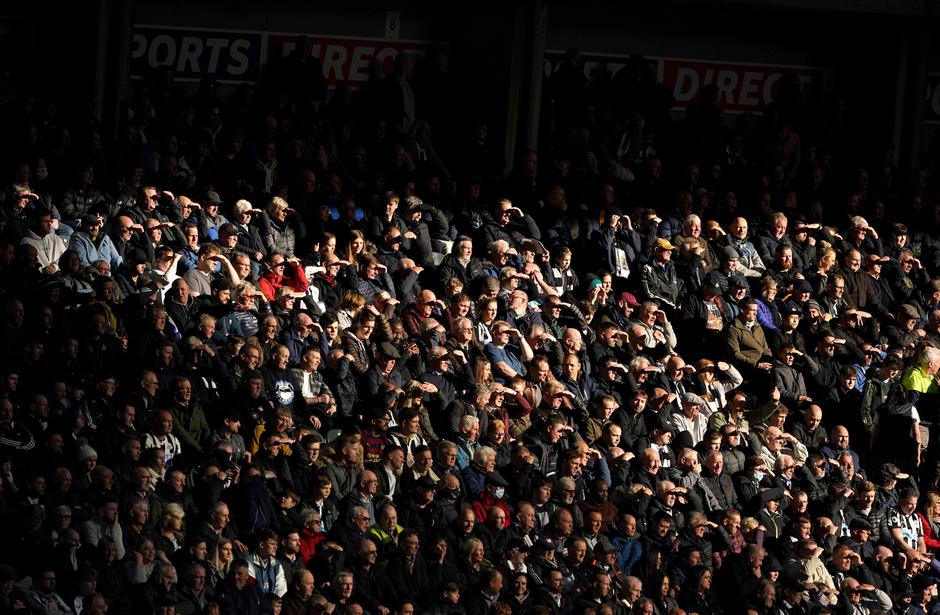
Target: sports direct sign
column 237, row 56
column 742, row 87
column 347, row 60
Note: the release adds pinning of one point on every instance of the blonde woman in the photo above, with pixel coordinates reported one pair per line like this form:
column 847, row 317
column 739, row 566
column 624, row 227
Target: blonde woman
column 930, row 520
column 819, row 275
column 472, row 562
column 221, row 560
column 277, row 227
column 171, row 537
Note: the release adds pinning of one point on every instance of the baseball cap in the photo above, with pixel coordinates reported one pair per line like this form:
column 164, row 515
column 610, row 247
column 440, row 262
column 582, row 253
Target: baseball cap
column 426, row 483
column 663, row 244
column 629, row 299
column 658, row 421
column 517, row 543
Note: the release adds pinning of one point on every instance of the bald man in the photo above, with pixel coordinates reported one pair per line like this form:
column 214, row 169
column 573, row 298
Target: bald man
column 298, row 336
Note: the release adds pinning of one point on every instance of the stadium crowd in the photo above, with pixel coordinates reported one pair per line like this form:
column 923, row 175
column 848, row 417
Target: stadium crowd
column 294, row 353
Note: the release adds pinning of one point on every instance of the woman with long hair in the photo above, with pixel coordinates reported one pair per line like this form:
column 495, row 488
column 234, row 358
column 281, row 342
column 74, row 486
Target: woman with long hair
column 482, row 372
column 929, row 515
column 472, row 562
column 356, row 247
column 659, row 589
column 221, row 560
column 696, row 595
column 818, row 276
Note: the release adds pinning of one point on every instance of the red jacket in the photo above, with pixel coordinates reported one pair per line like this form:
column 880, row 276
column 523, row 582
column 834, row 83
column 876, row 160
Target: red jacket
column 482, row 505
column 931, row 540
column 293, row 277
column 309, row 539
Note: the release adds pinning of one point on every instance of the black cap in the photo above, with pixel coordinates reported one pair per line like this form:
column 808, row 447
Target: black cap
column 794, row 585
column 602, row 549
column 389, row 350
column 860, row 524
column 791, row 309
column 921, row 582
column 774, row 493
column 802, row 286
column 426, row 483
column 495, row 478
column 517, row 543
column 7, row 573
column 137, row 257
column 658, row 421
column 659, row 351
column 212, row 198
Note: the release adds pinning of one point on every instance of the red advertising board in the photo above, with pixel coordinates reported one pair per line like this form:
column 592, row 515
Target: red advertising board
column 348, row 60
column 237, row 56
column 742, row 88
